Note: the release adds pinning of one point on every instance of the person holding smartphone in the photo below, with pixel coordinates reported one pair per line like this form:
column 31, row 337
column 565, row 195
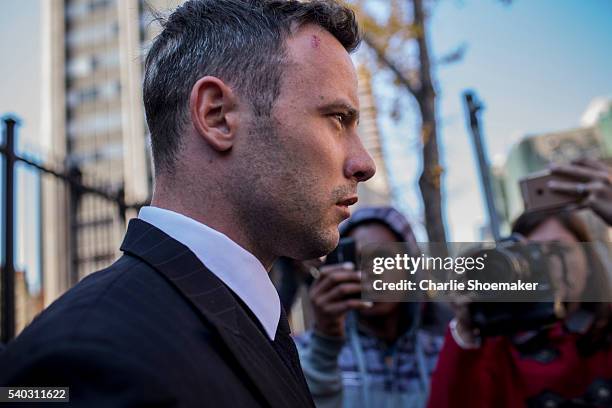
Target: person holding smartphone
column 363, row 354
column 566, row 364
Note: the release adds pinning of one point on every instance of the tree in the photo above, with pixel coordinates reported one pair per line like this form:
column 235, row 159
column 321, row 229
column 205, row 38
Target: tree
column 406, row 22
column 401, row 44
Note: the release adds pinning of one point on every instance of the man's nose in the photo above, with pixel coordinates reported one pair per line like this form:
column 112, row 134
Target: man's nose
column 360, row 165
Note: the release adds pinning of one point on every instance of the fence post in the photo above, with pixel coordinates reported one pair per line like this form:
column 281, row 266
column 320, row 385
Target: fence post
column 8, row 268
column 75, row 181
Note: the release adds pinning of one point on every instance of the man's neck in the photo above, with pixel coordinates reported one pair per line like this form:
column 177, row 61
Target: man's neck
column 217, row 221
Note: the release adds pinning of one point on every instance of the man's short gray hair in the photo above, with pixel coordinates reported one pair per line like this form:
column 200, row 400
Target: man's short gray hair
column 242, row 42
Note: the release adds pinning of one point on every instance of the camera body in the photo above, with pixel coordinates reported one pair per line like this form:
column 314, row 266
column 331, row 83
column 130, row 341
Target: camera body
column 509, row 261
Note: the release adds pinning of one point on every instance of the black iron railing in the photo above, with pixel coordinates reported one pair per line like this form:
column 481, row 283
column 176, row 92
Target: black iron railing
column 71, row 177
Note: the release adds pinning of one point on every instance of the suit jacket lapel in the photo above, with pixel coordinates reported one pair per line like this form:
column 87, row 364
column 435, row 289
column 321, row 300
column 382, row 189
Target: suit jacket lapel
column 213, row 299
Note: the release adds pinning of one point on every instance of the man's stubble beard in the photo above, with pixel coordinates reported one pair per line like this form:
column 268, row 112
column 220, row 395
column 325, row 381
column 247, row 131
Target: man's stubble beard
column 280, row 206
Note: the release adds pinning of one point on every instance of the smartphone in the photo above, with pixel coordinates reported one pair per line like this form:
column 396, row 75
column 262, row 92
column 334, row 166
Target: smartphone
column 537, row 196
column 346, row 251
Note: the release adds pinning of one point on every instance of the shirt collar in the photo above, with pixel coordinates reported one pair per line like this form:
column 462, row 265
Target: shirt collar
column 236, row 267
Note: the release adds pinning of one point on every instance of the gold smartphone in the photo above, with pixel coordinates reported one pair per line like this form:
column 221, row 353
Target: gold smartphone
column 537, row 196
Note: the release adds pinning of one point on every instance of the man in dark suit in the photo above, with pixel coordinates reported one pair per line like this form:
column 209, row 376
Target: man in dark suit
column 253, row 108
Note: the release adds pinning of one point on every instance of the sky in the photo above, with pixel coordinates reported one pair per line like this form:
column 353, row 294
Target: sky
column 20, row 70
column 535, row 64
column 20, row 82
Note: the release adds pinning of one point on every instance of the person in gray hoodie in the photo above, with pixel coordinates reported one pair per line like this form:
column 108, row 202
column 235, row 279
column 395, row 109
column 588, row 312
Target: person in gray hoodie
column 363, row 354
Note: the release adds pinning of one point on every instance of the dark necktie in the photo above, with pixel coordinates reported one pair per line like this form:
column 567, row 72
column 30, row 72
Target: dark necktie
column 285, row 347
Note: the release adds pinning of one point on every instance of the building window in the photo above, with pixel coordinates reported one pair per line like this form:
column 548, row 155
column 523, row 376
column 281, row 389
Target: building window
column 105, row 91
column 77, row 10
column 85, row 65
column 91, row 35
column 95, row 124
column 99, row 4
column 108, row 152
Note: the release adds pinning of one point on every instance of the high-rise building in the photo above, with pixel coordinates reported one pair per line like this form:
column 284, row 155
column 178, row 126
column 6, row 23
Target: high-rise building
column 93, row 123
column 105, row 120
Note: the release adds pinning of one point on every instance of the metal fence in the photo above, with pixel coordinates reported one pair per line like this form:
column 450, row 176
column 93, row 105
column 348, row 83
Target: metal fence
column 86, row 208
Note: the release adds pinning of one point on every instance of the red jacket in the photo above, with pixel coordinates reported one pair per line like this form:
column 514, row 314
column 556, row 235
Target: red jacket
column 498, row 375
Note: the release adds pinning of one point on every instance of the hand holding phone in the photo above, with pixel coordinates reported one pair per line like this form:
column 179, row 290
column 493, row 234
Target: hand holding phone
column 337, row 289
column 538, row 194
column 590, row 182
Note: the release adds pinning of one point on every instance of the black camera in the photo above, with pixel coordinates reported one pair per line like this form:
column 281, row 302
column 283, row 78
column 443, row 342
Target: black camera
column 510, row 261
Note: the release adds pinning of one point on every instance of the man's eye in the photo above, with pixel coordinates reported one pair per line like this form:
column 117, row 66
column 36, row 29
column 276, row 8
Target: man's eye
column 340, row 117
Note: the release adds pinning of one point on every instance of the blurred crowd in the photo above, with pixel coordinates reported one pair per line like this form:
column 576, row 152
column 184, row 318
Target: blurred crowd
column 360, row 353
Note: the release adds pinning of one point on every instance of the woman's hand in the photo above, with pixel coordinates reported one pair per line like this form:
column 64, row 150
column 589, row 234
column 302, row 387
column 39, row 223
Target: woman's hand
column 593, row 183
column 463, row 326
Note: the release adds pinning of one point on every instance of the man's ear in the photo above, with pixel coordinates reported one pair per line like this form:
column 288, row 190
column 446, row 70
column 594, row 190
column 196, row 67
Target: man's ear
column 212, row 106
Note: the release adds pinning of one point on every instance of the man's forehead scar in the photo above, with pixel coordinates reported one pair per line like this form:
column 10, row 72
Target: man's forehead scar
column 315, row 41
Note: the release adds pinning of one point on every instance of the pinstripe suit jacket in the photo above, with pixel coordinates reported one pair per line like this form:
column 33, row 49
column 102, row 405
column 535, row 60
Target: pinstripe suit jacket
column 155, row 329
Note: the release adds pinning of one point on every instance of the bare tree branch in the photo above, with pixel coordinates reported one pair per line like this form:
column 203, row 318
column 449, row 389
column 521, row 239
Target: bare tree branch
column 402, row 79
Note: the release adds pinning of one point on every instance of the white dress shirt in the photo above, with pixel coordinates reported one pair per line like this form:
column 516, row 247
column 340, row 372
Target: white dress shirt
column 236, row 267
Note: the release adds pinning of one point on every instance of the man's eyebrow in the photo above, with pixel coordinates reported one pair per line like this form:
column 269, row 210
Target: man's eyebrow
column 351, row 112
